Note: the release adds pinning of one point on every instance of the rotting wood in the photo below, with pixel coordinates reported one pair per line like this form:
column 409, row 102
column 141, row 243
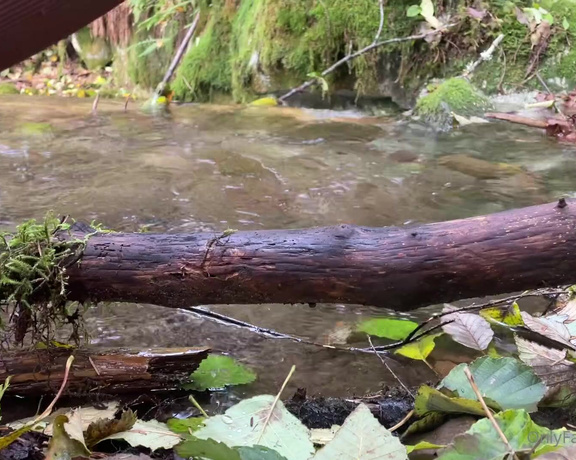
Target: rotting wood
column 395, row 267
column 105, row 371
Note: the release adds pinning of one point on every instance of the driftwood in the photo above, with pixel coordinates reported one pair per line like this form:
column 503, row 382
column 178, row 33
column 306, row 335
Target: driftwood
column 108, row 371
column 395, row 267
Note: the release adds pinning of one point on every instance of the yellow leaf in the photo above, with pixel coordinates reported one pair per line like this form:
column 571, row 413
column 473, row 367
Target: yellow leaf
column 265, row 102
column 419, row 350
column 509, row 316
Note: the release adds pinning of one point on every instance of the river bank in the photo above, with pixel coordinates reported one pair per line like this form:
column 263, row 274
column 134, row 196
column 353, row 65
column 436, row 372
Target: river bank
column 244, row 51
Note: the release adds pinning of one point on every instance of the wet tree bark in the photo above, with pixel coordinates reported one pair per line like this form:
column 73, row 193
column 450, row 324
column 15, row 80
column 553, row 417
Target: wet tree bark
column 395, row 267
column 107, row 371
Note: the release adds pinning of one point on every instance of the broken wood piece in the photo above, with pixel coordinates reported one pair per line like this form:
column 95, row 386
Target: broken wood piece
column 513, row 118
column 108, row 371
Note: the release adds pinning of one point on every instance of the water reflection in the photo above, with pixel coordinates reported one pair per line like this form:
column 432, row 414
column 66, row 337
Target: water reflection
column 210, row 168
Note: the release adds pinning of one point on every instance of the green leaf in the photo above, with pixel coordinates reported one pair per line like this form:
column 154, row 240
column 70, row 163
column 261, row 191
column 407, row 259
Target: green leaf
column 548, row 18
column 506, row 382
column 214, row 450
column 362, row 437
column 423, row 445
column 509, row 316
column 206, row 448
column 149, row 49
column 429, row 399
column 482, row 442
column 427, row 423
column 427, row 13
column 565, row 23
column 245, row 425
column 413, row 11
column 419, row 350
column 389, row 328
column 258, row 453
column 218, row 372
column 185, row 425
column 427, row 8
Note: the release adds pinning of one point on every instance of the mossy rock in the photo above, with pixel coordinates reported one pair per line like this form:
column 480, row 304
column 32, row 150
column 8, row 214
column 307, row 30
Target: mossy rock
column 455, row 95
column 95, row 52
column 8, row 88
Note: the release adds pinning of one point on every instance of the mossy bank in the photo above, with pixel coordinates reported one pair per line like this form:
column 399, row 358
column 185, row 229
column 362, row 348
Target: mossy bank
column 244, row 49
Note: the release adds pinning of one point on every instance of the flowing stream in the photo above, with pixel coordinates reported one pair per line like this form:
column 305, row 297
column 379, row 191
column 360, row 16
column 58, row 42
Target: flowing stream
column 208, row 168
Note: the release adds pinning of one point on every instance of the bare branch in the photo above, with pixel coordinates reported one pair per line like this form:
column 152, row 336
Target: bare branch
column 381, row 26
column 360, row 52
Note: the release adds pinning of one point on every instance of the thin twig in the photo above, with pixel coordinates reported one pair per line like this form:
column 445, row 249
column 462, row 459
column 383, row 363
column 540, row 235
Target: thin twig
column 542, row 82
column 48, row 410
column 489, row 412
column 95, row 104
column 381, row 26
column 414, row 336
column 288, row 377
column 484, row 56
column 402, row 422
column 197, row 405
column 360, row 52
column 388, row 367
column 490, row 303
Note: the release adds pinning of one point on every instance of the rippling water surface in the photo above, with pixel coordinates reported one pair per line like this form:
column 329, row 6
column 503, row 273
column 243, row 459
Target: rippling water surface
column 207, row 168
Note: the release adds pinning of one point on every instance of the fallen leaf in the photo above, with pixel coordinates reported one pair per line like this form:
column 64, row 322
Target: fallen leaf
column 505, row 383
column 362, row 437
column 553, row 330
column 244, row 424
column 419, row 350
column 469, row 329
column 151, row 434
column 105, row 427
column 430, row 399
column 62, row 446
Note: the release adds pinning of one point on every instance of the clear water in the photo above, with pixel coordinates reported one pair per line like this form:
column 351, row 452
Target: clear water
column 217, row 167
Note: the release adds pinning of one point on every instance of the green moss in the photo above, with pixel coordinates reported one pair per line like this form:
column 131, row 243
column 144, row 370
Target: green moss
column 8, row 88
column 36, row 129
column 266, row 45
column 253, row 47
column 145, row 68
column 456, row 95
column 95, row 52
column 205, row 70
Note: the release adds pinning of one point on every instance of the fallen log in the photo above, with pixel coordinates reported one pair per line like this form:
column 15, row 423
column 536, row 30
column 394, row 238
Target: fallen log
column 108, row 371
column 395, row 267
